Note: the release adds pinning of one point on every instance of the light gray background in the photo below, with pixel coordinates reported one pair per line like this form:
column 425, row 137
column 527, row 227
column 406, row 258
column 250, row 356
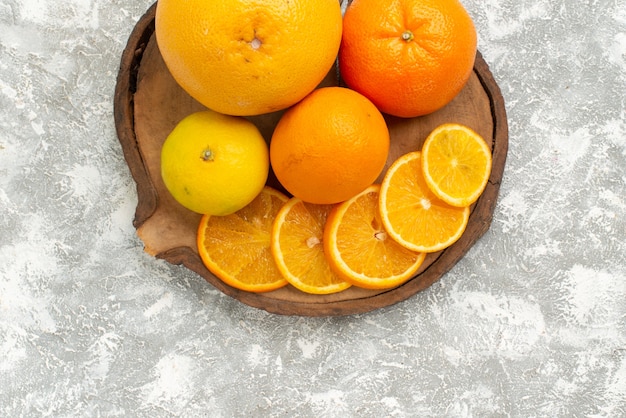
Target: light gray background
column 532, row 322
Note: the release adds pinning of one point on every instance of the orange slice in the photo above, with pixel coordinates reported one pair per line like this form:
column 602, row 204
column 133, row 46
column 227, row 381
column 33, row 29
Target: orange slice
column 359, row 249
column 298, row 249
column 412, row 214
column 236, row 247
column 456, row 163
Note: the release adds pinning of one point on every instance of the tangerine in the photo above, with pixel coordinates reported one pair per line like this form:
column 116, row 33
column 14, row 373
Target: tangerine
column 409, row 57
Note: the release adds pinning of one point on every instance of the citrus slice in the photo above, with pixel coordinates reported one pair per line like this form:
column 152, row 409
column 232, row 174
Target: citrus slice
column 359, row 249
column 456, row 163
column 236, row 247
column 412, row 214
column 298, row 249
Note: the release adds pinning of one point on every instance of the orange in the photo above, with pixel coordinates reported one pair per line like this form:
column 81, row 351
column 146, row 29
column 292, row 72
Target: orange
column 409, row 57
column 412, row 214
column 214, row 164
column 456, row 163
column 330, row 146
column 247, row 57
column 359, row 249
column 298, row 248
column 236, row 248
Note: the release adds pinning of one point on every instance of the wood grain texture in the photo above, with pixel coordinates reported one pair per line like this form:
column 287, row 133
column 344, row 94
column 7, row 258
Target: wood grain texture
column 149, row 103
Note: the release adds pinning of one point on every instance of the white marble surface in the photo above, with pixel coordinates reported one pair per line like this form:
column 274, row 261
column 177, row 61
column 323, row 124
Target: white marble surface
column 532, row 322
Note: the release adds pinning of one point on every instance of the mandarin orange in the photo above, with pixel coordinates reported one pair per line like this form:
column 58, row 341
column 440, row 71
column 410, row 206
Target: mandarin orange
column 409, row 57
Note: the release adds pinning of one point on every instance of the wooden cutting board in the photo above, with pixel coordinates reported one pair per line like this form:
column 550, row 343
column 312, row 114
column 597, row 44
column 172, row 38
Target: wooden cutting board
column 149, row 103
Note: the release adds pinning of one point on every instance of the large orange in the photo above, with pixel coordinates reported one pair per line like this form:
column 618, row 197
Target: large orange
column 330, row 146
column 410, row 57
column 246, row 57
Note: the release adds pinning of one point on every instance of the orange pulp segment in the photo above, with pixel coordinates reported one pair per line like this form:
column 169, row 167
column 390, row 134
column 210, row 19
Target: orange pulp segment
column 359, row 249
column 236, row 247
column 412, row 214
column 298, row 248
column 456, row 164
